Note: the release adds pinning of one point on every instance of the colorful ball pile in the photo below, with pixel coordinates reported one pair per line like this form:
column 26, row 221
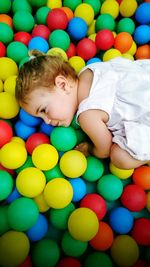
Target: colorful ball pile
column 58, row 207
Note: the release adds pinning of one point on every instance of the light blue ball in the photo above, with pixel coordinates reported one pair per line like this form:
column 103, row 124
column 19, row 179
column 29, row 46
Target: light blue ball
column 93, row 60
column 121, row 220
column 142, row 14
column 79, row 188
column 46, row 128
column 22, row 130
column 77, row 28
column 142, row 34
column 29, row 119
column 38, row 43
column 39, row 229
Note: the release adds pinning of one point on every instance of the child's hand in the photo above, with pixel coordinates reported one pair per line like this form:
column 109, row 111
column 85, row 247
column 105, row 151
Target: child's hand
column 84, row 148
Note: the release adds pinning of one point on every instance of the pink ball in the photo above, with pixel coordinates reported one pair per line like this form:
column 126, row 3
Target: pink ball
column 104, row 39
column 2, row 50
column 23, row 37
column 133, row 197
column 36, row 139
column 86, row 48
column 141, row 231
column 6, row 133
column 71, row 51
column 96, row 203
column 42, row 31
column 57, row 19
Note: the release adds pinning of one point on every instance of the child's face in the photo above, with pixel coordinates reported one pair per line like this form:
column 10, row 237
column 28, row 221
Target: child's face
column 56, row 107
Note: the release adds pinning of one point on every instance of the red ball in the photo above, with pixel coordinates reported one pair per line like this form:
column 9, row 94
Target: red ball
column 23, row 37
column 2, row 50
column 86, row 48
column 6, row 133
column 96, row 203
column 104, row 39
column 26, row 263
column 12, row 172
column 141, row 231
column 57, row 19
column 41, row 30
column 69, row 262
column 141, row 263
column 36, row 139
column 134, row 197
column 71, row 51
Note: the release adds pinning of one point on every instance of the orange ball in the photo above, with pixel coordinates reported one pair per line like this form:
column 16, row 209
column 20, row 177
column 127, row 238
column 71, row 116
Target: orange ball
column 68, row 12
column 123, row 41
column 143, row 52
column 104, row 237
column 6, row 19
column 141, row 177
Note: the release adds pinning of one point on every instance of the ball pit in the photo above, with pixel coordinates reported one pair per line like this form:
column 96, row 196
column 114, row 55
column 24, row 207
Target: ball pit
column 58, row 207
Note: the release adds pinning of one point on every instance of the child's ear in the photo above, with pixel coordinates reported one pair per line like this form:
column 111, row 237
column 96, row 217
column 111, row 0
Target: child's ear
column 61, row 82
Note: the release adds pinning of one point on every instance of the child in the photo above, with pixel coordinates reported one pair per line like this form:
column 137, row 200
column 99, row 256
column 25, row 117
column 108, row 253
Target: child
column 112, row 101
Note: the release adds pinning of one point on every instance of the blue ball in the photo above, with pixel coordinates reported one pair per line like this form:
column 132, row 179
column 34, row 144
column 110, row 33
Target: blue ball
column 142, row 34
column 14, row 195
column 22, row 130
column 46, row 128
column 77, row 28
column 29, row 119
column 121, row 220
column 93, row 60
column 39, row 229
column 142, row 14
column 38, row 43
column 79, row 188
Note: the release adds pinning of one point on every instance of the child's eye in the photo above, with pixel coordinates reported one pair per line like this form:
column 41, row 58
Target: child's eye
column 43, row 110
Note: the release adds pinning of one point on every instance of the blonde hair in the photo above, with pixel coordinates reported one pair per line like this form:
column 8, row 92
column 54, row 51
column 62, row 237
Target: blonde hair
column 41, row 70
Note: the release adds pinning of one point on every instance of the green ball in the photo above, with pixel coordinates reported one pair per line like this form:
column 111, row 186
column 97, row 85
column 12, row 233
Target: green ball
column 6, row 33
column 59, row 217
column 95, row 4
column 28, row 163
column 81, row 136
column 23, row 5
column 74, row 123
column 23, row 60
column 5, row 6
column 99, row 259
column 94, row 170
column 110, row 187
column 23, row 21
column 45, row 253
column 17, row 51
column 59, row 38
column 72, row 4
column 41, row 14
column 22, row 214
column 6, row 184
column 105, row 21
column 73, row 247
column 4, row 225
column 126, row 25
column 53, row 173
column 63, row 138
column 37, row 3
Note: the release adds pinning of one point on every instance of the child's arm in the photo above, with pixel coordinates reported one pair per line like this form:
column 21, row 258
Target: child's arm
column 93, row 124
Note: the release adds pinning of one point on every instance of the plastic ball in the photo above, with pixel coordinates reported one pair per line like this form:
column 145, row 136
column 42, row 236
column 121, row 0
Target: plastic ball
column 83, row 224
column 86, row 48
column 41, row 14
column 72, row 4
column 142, row 14
column 111, row 53
column 2, row 50
column 1, row 86
column 120, row 173
column 141, row 177
column 133, row 197
column 105, row 21
column 6, row 184
column 13, row 155
column 23, row 5
column 141, row 231
column 17, row 51
column 93, row 60
column 86, row 12
column 5, row 6
column 22, row 214
column 39, row 229
column 63, row 138
column 104, row 39
column 14, row 195
column 30, row 182
column 8, row 67
column 143, row 52
column 6, row 19
column 54, row 3
column 59, row 38
column 98, row 258
column 37, row 3
column 110, row 187
column 56, row 51
column 96, row 203
column 57, row 19
column 26, row 263
column 110, row 7
column 94, row 170
column 14, row 248
column 71, row 51
column 68, row 12
column 42, row 31
column 126, row 25
column 23, row 16
column 53, row 173
column 28, row 119
column 6, row 132
column 4, row 226
column 77, row 28
column 96, row 4
column 38, row 43
column 79, row 188
column 124, row 250
column 123, row 42
column 46, row 128
column 69, row 261
column 6, row 33
column 132, row 49
column 73, row 163
column 58, row 193
column 10, row 84
column 36, row 139
column 41, row 203
column 77, row 63
column 22, row 130
column 142, row 34
column 104, row 238
column 45, row 156
column 128, row 8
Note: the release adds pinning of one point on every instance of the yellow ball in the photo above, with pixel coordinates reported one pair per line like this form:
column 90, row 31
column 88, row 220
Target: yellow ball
column 10, row 84
column 1, row 86
column 30, row 182
column 83, row 224
column 128, row 56
column 13, row 155
column 120, row 173
column 45, row 157
column 9, row 107
column 128, row 8
column 14, row 248
column 8, row 67
column 56, row 51
column 86, row 12
column 54, row 3
column 92, row 37
column 58, row 193
column 73, row 163
column 77, row 63
column 41, row 203
column 18, row 139
column 91, row 28
column 111, row 53
column 110, row 7
column 132, row 49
